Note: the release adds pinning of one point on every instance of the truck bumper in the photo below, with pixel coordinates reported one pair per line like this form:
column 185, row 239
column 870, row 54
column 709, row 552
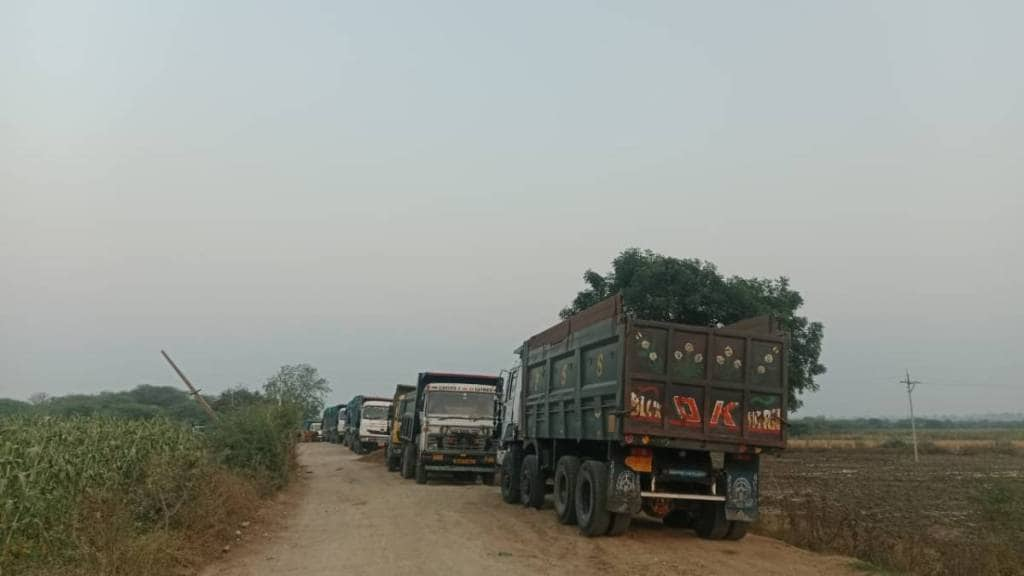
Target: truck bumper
column 483, row 463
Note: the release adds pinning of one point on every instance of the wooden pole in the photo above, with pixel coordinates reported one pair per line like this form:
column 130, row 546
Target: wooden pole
column 195, row 393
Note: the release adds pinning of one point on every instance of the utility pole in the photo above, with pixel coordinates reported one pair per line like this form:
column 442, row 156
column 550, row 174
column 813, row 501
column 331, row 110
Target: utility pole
column 911, row 384
column 192, row 389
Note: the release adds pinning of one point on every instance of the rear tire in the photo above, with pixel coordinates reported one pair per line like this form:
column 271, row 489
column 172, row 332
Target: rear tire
column 566, row 471
column 511, row 466
column 408, row 461
column 531, row 485
column 591, row 499
column 619, row 524
column 737, row 530
column 711, row 523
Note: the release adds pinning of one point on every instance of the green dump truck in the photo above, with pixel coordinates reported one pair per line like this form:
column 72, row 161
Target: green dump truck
column 620, row 415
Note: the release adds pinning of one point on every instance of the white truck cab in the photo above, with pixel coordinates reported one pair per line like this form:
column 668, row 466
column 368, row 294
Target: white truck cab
column 373, row 424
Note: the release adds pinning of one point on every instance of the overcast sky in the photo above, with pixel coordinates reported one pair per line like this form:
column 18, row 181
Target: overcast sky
column 381, row 188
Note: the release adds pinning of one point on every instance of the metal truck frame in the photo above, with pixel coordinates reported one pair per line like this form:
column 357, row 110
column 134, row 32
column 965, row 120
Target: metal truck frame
column 622, row 415
column 469, row 449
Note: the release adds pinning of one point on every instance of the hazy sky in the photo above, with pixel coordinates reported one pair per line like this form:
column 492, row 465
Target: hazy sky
column 381, row 188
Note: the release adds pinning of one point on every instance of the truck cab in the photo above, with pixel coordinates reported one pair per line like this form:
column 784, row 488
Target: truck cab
column 447, row 425
column 373, row 425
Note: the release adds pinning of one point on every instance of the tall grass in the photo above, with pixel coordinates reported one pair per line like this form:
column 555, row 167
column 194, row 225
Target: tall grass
column 98, row 495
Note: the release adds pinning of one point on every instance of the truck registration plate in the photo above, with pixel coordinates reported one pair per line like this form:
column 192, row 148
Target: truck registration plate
column 464, row 460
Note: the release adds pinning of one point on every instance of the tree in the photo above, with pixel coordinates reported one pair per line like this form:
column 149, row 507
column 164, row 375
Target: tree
column 300, row 385
column 235, row 398
column 38, row 398
column 691, row 291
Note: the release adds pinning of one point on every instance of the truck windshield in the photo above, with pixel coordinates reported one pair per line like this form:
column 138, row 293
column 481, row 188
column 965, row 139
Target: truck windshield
column 375, row 412
column 465, row 404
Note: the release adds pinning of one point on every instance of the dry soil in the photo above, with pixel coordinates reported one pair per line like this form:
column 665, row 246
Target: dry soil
column 349, row 515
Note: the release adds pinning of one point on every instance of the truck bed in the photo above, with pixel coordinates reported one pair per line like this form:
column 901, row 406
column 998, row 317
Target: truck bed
column 603, row 376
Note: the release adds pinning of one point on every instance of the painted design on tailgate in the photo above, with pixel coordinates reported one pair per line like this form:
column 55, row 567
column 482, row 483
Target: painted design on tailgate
column 687, row 363
column 764, row 415
column 645, row 404
column 687, row 413
column 722, row 414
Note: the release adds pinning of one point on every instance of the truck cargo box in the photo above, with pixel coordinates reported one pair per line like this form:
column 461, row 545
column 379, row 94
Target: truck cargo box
column 602, row 375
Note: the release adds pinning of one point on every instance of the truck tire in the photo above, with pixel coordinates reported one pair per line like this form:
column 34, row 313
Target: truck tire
column 619, row 524
column 591, row 499
column 408, row 461
column 531, row 484
column 421, row 472
column 510, row 470
column 393, row 461
column 566, row 470
column 711, row 523
column 737, row 530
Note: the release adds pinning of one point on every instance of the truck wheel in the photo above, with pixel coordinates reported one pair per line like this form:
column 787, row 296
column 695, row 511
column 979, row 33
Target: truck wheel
column 591, row 498
column 711, row 523
column 619, row 524
column 566, row 470
column 510, row 469
column 421, row 472
column 408, row 461
column 737, row 530
column 393, row 462
column 531, row 484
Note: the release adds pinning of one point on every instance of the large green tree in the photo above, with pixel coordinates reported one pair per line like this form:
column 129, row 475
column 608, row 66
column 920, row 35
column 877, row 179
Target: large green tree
column 301, row 385
column 692, row 291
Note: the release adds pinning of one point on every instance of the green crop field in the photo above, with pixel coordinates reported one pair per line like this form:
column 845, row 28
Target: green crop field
column 108, row 496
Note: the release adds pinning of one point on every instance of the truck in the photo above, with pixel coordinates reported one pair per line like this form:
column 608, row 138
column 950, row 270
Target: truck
column 367, row 427
column 393, row 448
column 333, row 426
column 618, row 415
column 447, row 426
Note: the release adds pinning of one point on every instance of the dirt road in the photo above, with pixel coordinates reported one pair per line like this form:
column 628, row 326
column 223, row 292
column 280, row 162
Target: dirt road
column 352, row 516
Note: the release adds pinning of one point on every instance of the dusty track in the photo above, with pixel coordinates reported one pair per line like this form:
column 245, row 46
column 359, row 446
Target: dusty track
column 355, row 517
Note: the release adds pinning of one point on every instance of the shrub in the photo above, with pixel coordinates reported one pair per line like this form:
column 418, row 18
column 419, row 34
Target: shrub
column 258, row 440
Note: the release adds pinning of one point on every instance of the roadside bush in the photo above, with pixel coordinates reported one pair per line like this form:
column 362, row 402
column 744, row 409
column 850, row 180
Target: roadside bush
column 258, row 440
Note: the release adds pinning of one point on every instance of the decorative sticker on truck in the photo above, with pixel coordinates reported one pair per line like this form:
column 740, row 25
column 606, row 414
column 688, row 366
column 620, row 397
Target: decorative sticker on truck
column 645, row 404
column 764, row 415
column 688, row 413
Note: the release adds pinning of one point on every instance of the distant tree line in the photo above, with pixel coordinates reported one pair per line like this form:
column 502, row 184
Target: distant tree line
column 299, row 385
column 816, row 426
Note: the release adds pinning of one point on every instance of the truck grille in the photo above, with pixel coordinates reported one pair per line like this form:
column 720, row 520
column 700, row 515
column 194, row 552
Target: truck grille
column 464, row 441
